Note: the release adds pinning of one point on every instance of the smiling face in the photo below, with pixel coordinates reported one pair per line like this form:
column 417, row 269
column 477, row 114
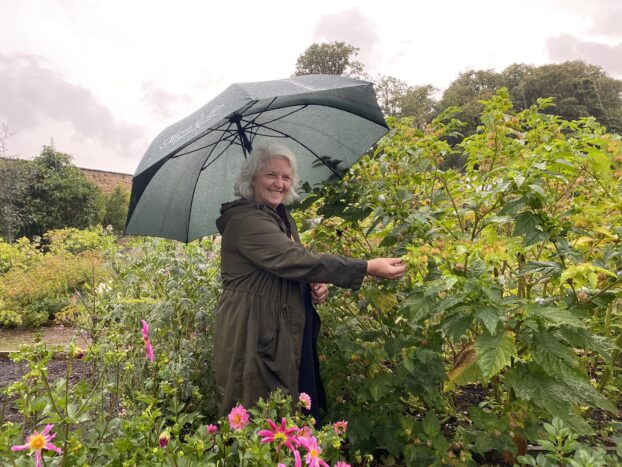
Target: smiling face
column 273, row 182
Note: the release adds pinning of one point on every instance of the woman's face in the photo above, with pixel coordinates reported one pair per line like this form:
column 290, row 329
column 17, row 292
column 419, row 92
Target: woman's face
column 273, row 182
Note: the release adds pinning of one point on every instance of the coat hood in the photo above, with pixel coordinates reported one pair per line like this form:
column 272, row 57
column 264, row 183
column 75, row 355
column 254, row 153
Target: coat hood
column 228, row 210
column 241, row 206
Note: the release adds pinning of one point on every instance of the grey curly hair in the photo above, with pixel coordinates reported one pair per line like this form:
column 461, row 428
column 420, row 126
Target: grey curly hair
column 256, row 161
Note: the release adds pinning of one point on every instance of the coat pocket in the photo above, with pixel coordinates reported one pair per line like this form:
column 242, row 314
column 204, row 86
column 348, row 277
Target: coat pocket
column 269, row 329
column 275, row 352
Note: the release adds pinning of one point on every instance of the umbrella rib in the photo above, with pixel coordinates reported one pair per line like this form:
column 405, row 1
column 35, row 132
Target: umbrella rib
column 302, row 107
column 231, row 143
column 227, row 131
column 251, row 124
column 196, row 181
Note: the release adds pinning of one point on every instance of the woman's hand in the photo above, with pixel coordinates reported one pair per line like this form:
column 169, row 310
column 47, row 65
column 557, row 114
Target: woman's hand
column 319, row 293
column 387, row 268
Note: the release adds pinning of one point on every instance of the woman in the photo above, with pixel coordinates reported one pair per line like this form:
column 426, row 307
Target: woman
column 266, row 326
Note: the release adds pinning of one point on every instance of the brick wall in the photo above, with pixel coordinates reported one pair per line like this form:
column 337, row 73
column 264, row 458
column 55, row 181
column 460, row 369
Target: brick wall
column 108, row 181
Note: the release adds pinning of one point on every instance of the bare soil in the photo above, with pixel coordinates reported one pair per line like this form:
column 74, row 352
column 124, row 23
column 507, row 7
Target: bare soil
column 10, row 371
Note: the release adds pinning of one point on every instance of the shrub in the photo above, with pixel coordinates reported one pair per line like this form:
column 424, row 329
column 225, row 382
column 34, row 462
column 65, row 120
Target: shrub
column 40, row 291
column 72, row 240
column 9, row 318
column 19, row 254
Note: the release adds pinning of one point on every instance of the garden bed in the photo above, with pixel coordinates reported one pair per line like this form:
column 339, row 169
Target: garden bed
column 11, row 371
column 53, row 334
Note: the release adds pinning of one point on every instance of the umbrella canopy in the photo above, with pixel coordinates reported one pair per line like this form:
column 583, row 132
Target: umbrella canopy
column 188, row 171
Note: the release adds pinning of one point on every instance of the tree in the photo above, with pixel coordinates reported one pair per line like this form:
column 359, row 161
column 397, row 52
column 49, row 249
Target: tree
column 420, row 104
column 390, row 92
column 467, row 91
column 580, row 90
column 116, row 209
column 16, row 176
column 398, row 99
column 334, row 58
column 60, row 196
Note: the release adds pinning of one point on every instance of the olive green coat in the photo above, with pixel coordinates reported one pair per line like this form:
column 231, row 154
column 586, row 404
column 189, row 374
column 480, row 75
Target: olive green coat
column 260, row 316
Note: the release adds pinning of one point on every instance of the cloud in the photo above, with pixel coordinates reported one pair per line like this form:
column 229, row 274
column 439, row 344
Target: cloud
column 605, row 16
column 33, row 95
column 607, row 21
column 353, row 27
column 568, row 47
column 160, row 102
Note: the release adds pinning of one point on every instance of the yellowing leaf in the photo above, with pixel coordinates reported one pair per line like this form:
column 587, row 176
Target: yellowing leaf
column 384, row 301
column 464, row 371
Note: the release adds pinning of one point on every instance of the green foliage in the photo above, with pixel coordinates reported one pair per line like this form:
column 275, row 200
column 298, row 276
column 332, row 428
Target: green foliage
column 147, row 430
column 467, row 91
column 37, row 285
column 60, row 196
column 559, row 446
column 74, row 241
column 121, row 413
column 398, row 99
column 509, row 315
column 512, row 266
column 16, row 176
column 117, row 204
column 18, row 254
column 579, row 90
column 40, row 291
column 333, row 58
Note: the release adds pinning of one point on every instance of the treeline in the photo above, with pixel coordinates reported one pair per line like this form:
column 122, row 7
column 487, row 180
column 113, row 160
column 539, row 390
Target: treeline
column 50, row 192
column 579, row 89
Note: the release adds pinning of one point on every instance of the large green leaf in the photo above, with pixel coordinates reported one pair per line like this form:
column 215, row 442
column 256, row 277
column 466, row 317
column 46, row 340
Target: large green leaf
column 556, row 359
column 494, row 352
column 558, row 396
column 581, row 338
column 554, row 316
column 489, row 317
column 600, row 163
column 419, row 306
column 456, row 325
column 587, row 394
column 546, row 268
column 528, row 225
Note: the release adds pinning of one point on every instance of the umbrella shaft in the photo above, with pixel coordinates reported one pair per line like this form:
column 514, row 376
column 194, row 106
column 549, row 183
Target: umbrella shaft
column 246, row 144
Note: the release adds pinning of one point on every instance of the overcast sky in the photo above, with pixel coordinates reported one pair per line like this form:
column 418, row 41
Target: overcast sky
column 104, row 77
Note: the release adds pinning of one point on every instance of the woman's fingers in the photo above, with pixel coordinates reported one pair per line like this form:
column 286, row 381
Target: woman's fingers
column 387, row 268
column 399, row 269
column 319, row 292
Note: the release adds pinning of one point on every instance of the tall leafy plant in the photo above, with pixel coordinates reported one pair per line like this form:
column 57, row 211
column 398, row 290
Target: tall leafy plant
column 512, row 283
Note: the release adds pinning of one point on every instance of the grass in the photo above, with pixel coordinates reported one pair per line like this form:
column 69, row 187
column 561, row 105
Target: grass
column 53, row 334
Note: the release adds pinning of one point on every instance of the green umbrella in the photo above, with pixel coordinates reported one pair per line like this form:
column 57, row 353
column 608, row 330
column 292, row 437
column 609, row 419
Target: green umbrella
column 188, row 171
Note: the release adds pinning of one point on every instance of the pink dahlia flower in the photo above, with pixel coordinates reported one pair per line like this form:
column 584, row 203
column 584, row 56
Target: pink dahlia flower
column 280, row 435
column 305, row 400
column 37, row 442
column 340, row 427
column 312, row 458
column 238, row 417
